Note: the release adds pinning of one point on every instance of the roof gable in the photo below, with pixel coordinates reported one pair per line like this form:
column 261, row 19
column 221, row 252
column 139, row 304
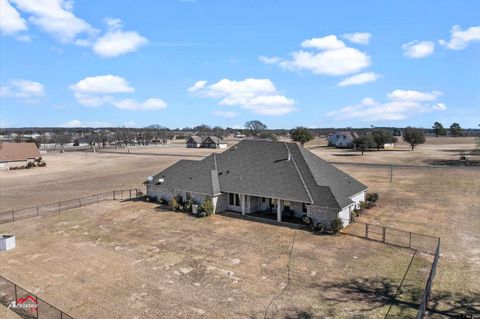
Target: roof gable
column 18, row 151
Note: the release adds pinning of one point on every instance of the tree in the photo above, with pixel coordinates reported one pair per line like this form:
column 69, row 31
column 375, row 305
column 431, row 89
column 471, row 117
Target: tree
column 362, row 143
column 413, row 136
column 380, row 137
column 61, row 138
column 301, row 135
column 438, row 129
column 255, row 127
column 455, row 129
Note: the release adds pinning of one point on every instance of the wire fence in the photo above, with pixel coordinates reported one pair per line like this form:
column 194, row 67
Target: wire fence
column 57, row 207
column 406, row 239
column 428, row 286
column 26, row 304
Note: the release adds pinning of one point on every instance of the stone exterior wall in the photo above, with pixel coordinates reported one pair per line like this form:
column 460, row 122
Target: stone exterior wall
column 321, row 214
column 222, row 203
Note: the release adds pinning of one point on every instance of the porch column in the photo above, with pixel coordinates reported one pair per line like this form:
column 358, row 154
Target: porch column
column 242, row 200
column 279, row 210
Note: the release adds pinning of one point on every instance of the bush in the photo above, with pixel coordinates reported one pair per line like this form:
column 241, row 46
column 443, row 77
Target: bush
column 372, row 197
column 320, row 227
column 174, row 204
column 336, row 225
column 30, row 165
column 202, row 214
column 187, row 207
column 207, row 207
column 363, row 205
column 139, row 193
column 370, row 205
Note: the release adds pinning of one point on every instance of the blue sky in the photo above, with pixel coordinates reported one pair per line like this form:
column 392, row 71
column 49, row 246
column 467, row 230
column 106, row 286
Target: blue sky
column 286, row 63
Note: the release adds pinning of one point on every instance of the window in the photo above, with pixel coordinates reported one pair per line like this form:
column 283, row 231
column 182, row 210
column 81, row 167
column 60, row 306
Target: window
column 304, row 208
column 234, row 199
column 344, row 137
column 263, row 199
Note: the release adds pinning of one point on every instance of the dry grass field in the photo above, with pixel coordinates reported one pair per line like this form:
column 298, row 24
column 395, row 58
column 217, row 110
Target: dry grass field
column 125, row 260
column 434, row 152
column 442, row 202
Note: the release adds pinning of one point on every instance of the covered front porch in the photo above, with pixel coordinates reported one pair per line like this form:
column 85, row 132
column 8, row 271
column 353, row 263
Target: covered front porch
column 277, row 209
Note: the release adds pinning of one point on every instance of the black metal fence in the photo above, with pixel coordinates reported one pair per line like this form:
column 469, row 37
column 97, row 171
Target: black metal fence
column 406, row 239
column 29, row 212
column 393, row 236
column 26, row 304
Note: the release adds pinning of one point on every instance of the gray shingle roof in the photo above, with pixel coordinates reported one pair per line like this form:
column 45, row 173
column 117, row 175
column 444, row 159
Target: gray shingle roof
column 268, row 169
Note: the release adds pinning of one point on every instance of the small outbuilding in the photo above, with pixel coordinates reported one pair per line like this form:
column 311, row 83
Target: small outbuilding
column 18, row 154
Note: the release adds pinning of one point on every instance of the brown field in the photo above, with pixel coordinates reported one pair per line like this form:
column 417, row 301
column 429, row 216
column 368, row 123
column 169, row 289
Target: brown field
column 434, row 152
column 442, row 202
column 124, row 260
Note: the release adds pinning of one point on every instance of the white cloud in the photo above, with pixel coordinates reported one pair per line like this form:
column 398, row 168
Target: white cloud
column 78, row 123
column 257, row 95
column 102, row 84
column 401, row 104
column 330, row 42
column 358, row 37
column 418, row 49
column 359, row 79
column 269, row 60
column 411, row 95
column 56, row 17
column 131, row 104
column 28, row 91
column 117, row 42
column 197, row 86
column 460, row 39
column 333, row 57
column 101, row 90
column 225, row 114
column 10, row 19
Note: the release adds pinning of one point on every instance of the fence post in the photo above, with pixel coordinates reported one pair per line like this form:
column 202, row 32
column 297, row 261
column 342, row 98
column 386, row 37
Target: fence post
column 80, row 202
column 410, row 240
column 97, row 198
column 384, row 233
column 16, row 298
column 13, row 216
column 37, row 211
column 59, row 207
column 113, row 195
column 130, row 194
column 366, row 230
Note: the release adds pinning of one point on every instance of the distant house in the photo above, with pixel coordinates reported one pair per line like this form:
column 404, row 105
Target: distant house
column 206, row 142
column 17, row 154
column 279, row 178
column 194, row 142
column 342, row 139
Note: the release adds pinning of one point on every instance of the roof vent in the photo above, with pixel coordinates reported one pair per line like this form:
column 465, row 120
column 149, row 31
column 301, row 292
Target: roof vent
column 150, row 179
column 289, row 158
column 161, row 180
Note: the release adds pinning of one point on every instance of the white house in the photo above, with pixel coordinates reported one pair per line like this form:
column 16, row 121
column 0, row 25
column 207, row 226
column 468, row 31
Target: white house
column 342, row 139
